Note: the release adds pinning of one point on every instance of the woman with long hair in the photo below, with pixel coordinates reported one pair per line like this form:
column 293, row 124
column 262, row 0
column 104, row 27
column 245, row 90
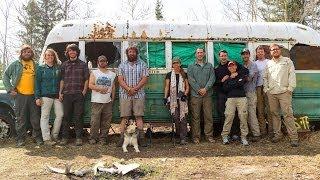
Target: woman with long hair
column 47, row 95
column 175, row 96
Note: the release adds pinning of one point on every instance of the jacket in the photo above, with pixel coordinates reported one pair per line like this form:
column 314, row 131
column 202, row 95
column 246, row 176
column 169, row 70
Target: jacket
column 12, row 75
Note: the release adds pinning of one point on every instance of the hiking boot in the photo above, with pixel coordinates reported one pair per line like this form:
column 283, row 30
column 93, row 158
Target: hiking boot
column 255, row 138
column 142, row 139
column 49, row 143
column 225, row 140
column 78, row 142
column 244, row 142
column 64, row 142
column 210, row 139
column 235, row 138
column 196, row 140
column 183, row 142
column 103, row 141
column 21, row 143
column 294, row 143
column 276, row 139
column 92, row 141
column 119, row 144
column 39, row 142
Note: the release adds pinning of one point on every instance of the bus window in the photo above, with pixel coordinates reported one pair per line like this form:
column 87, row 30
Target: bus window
column 186, row 51
column 233, row 49
column 305, row 57
column 156, row 54
column 109, row 49
column 60, row 48
column 284, row 51
column 153, row 53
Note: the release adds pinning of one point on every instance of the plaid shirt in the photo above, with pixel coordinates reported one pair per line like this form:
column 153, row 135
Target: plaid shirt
column 74, row 74
column 47, row 81
column 132, row 73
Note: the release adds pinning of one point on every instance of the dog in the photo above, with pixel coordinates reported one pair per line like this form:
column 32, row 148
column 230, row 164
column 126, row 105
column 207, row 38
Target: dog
column 131, row 137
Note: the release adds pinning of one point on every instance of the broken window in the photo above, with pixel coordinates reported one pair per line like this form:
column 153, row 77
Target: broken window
column 186, row 51
column 60, row 48
column 305, row 57
column 109, row 49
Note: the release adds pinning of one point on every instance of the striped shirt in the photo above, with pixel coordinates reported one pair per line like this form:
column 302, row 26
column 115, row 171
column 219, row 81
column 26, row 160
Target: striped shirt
column 132, row 74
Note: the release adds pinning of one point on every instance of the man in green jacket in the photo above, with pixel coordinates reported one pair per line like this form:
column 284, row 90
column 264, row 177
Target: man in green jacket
column 19, row 79
column 201, row 79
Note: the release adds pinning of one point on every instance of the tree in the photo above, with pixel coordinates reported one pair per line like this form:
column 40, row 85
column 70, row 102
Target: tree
column 30, row 17
column 158, row 10
column 5, row 12
column 241, row 10
column 302, row 11
column 39, row 17
column 135, row 9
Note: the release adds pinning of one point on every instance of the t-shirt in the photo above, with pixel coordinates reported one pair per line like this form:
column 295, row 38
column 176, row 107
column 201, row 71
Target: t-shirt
column 26, row 83
column 104, row 79
column 261, row 66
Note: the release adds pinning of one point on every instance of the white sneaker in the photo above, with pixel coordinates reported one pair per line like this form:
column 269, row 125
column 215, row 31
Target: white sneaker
column 225, row 140
column 244, row 142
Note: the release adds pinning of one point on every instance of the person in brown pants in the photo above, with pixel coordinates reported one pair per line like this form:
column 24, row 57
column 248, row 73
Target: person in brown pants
column 263, row 112
column 175, row 96
column 279, row 82
column 101, row 82
column 201, row 79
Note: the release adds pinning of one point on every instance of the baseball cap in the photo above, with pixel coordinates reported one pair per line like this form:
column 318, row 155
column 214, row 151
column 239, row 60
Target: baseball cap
column 176, row 60
column 231, row 63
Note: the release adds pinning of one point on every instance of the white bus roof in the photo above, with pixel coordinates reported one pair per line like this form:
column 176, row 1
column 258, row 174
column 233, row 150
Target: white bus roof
column 74, row 30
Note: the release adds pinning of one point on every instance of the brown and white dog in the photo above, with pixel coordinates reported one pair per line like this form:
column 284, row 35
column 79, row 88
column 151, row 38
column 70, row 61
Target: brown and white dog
column 131, row 136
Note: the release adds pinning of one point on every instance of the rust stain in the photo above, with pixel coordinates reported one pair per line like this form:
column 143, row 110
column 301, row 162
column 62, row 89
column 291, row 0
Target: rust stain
column 134, row 35
column 102, row 31
column 144, row 35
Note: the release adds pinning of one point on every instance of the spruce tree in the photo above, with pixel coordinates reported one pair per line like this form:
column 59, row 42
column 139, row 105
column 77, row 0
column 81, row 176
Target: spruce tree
column 158, row 10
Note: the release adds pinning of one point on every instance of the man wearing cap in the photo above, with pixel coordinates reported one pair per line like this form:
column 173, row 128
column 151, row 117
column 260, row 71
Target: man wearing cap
column 233, row 85
column 201, row 78
column 19, row 80
column 264, row 116
column 101, row 82
column 73, row 88
column 132, row 76
column 250, row 90
column 279, row 81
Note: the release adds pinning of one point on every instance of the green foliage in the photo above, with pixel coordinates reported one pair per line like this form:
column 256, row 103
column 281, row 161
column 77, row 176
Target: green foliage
column 158, row 10
column 37, row 19
column 283, row 10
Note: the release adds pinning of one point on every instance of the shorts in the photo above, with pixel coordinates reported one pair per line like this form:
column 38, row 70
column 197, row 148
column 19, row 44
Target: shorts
column 129, row 107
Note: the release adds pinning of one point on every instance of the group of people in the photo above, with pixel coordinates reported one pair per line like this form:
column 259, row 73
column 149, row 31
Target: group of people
column 258, row 90
column 265, row 85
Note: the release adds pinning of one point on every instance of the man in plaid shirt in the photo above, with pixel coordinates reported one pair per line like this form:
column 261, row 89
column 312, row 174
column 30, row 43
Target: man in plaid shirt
column 73, row 88
column 132, row 76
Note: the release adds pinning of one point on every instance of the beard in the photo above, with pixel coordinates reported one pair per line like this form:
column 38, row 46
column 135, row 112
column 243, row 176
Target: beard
column 102, row 65
column 132, row 58
column 26, row 58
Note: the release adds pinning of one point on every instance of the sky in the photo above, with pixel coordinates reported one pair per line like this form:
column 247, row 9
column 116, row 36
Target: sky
column 176, row 10
column 173, row 10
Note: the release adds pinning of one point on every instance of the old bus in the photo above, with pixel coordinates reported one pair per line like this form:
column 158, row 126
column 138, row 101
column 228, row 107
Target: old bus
column 159, row 41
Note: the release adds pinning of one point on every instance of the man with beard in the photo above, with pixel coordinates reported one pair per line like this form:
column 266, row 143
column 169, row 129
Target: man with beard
column 103, row 93
column 221, row 71
column 73, row 88
column 279, row 81
column 132, row 76
column 19, row 79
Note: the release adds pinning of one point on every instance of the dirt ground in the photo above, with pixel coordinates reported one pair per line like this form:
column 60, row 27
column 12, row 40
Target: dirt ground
column 162, row 160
